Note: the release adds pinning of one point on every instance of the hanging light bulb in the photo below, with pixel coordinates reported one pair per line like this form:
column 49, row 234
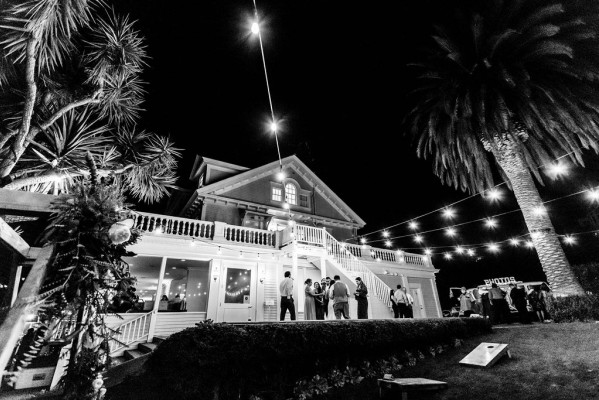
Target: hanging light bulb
column 593, row 195
column 413, row 225
column 447, row 256
column 493, row 247
column 255, row 28
column 557, row 170
column 471, row 252
column 363, row 240
column 491, row 223
column 280, row 176
column 274, row 126
column 514, row 242
column 450, row 231
column 494, row 194
column 569, row 240
column 388, row 243
column 448, row 212
column 385, row 234
column 530, row 244
column 428, row 252
column 418, row 238
column 459, row 250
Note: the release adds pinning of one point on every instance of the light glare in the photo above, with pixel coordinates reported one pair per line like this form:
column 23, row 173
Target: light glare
column 494, row 248
column 413, row 225
column 450, row 231
column 255, row 28
column 448, row 213
column 418, row 238
column 491, row 223
column 493, row 194
column 558, row 169
column 448, row 256
column 428, row 252
column 569, row 240
column 514, row 242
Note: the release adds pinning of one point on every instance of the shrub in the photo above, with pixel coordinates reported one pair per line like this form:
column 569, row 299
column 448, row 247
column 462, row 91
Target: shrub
column 236, row 361
column 574, row 308
column 588, row 276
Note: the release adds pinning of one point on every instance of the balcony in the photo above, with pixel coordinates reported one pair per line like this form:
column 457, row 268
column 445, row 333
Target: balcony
column 219, row 232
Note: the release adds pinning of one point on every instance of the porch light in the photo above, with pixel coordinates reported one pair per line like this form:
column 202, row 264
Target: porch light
column 280, row 176
column 255, row 28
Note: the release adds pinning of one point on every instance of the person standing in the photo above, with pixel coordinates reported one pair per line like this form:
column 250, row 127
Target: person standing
column 409, row 304
column 401, row 299
column 393, row 303
column 362, row 298
column 340, row 296
column 498, row 305
column 465, row 303
column 286, row 291
column 324, row 287
column 309, row 306
column 318, row 301
column 329, row 294
column 518, row 296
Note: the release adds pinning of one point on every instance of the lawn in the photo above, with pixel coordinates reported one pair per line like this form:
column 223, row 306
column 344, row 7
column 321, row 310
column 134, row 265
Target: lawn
column 549, row 361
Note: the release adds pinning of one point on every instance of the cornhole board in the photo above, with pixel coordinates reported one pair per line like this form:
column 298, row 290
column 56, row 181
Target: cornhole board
column 404, row 386
column 485, row 355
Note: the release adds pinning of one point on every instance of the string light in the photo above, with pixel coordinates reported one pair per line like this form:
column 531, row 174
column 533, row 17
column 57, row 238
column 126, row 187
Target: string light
column 569, row 240
column 471, row 252
column 593, row 195
column 558, row 169
column 514, row 242
column 448, row 212
column 493, row 194
column 413, row 225
column 493, row 247
column 281, row 176
column 491, row 223
column 418, row 238
column 363, row 240
column 388, row 243
column 385, row 234
column 428, row 252
column 255, row 28
column 459, row 250
column 529, row 244
column 447, row 256
column 538, row 210
column 450, row 231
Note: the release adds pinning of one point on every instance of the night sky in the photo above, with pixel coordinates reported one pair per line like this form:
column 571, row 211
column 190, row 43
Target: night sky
column 339, row 80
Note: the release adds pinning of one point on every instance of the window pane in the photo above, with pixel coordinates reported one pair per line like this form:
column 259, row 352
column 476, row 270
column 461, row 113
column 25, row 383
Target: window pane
column 290, row 194
column 277, row 194
column 303, row 200
column 238, row 286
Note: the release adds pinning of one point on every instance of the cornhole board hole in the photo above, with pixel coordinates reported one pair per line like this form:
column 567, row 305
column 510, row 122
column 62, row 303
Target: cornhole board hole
column 485, row 355
column 403, row 386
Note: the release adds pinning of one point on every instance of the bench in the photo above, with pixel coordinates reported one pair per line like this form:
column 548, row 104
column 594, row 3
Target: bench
column 403, row 386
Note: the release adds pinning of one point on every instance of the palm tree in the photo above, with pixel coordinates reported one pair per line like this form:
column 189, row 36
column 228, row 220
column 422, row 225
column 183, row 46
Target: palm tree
column 517, row 82
column 70, row 76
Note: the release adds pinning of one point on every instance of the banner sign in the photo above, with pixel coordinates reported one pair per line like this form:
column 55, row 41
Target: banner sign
column 501, row 281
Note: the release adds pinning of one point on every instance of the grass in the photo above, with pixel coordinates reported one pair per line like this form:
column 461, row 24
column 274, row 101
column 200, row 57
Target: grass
column 549, row 361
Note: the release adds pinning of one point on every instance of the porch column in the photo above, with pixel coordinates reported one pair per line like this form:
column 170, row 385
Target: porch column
column 154, row 315
column 295, row 273
column 213, row 293
column 17, row 281
column 323, row 268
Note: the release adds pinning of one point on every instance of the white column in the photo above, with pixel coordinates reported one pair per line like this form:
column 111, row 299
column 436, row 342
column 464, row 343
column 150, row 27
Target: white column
column 323, row 268
column 295, row 272
column 213, row 293
column 154, row 315
column 15, row 289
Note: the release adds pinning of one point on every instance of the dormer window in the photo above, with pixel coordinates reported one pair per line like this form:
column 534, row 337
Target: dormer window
column 290, row 194
column 277, row 194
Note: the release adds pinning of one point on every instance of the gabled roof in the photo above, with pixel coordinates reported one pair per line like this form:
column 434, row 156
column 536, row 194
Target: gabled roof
column 202, row 162
column 244, row 178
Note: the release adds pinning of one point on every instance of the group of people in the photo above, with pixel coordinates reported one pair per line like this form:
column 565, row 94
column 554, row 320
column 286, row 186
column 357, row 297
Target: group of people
column 323, row 300
column 402, row 303
column 495, row 303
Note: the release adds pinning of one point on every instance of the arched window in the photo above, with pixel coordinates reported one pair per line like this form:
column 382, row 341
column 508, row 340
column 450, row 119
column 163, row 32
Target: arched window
column 290, row 193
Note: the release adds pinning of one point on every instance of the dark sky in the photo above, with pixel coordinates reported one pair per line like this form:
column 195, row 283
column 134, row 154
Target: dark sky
column 339, row 79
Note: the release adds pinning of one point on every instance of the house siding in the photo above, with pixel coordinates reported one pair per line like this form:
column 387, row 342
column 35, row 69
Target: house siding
column 222, row 213
column 426, row 285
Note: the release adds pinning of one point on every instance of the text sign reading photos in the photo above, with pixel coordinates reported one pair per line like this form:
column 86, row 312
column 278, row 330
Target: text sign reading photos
column 501, row 281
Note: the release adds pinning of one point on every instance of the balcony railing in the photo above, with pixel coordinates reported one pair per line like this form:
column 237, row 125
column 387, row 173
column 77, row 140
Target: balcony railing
column 155, row 224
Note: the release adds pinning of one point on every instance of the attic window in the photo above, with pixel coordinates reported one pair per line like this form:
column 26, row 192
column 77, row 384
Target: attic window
column 277, row 194
column 303, row 200
column 290, row 194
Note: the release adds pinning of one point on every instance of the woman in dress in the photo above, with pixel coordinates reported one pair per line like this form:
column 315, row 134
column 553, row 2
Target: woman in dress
column 309, row 306
column 331, row 313
column 318, row 301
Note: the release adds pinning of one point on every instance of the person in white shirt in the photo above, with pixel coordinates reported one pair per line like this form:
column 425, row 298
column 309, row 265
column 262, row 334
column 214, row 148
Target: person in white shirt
column 409, row 304
column 286, row 290
column 402, row 302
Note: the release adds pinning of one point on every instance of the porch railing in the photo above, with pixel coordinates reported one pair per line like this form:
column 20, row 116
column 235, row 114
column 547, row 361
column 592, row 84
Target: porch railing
column 167, row 225
column 241, row 234
column 130, row 332
column 368, row 253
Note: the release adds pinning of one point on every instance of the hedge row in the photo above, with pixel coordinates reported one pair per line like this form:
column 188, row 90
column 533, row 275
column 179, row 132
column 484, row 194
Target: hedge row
column 234, row 361
column 574, row 308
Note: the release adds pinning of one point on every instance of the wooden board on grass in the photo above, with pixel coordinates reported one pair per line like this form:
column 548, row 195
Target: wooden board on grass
column 485, row 355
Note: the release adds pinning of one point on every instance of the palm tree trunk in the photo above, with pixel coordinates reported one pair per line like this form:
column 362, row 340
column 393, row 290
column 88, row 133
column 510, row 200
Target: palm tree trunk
column 553, row 260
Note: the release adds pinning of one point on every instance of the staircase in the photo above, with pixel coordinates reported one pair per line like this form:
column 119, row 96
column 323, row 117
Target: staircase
column 349, row 267
column 131, row 363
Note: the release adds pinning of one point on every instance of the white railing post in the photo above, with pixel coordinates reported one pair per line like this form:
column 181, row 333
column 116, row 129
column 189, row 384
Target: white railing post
column 154, row 315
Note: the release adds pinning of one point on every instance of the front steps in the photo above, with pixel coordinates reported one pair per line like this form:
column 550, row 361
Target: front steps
column 131, row 363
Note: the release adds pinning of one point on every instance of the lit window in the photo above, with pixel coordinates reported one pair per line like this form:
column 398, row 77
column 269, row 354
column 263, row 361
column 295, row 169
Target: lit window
column 277, row 194
column 290, row 194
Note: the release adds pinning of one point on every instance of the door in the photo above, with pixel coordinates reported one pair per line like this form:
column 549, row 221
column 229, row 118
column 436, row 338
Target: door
column 418, row 306
column 237, row 294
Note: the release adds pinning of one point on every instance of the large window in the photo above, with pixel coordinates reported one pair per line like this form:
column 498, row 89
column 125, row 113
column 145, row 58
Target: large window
column 291, row 194
column 277, row 194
